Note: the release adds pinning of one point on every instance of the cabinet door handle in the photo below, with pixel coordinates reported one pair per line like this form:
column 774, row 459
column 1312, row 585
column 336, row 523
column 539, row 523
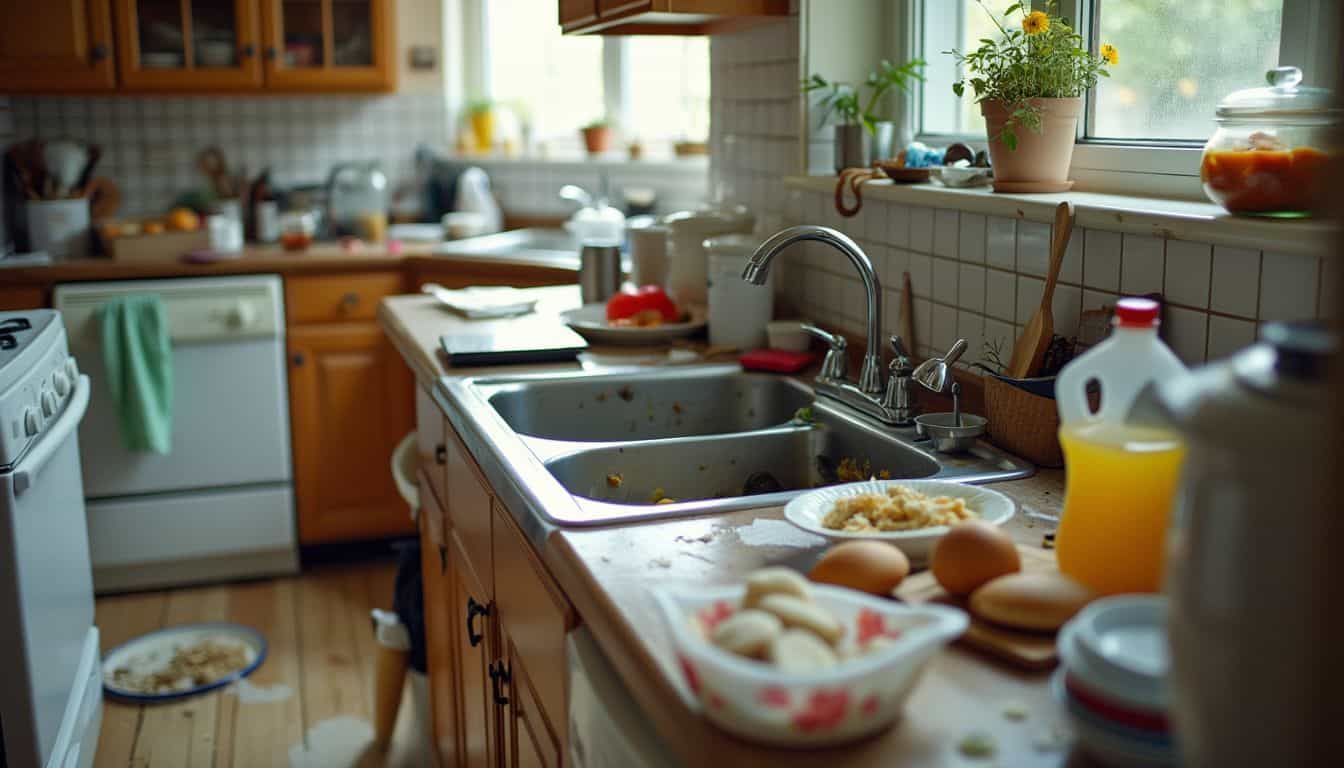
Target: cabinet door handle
column 297, row 360
column 440, row 454
column 499, row 676
column 349, row 301
column 475, row 609
column 271, row 53
column 99, row 52
column 249, row 50
column 443, row 559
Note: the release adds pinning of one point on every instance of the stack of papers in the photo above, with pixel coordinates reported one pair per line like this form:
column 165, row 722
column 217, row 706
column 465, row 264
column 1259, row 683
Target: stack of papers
column 482, row 302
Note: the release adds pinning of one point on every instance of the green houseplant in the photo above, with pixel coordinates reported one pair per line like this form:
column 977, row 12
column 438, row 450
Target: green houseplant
column 1030, row 84
column 597, row 136
column 858, row 116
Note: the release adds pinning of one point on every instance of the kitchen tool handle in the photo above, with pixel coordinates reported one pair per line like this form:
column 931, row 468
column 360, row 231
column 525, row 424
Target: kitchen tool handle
column 475, row 609
column 1064, row 216
column 499, row 675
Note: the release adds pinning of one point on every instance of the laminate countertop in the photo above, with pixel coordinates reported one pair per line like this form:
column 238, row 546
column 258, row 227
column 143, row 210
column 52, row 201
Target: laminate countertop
column 606, row 573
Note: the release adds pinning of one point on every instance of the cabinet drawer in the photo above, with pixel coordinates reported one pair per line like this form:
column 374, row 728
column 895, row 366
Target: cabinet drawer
column 534, row 614
column 338, row 298
column 431, row 447
column 468, row 497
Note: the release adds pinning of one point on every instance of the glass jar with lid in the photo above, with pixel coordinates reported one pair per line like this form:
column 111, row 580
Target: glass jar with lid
column 1271, row 152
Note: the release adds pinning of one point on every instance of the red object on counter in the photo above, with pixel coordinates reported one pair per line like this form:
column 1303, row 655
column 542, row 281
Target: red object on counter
column 776, row 361
column 632, row 301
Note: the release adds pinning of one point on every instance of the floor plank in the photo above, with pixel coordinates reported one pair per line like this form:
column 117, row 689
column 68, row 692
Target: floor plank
column 182, row 734
column 261, row 730
column 120, row 618
column 328, row 650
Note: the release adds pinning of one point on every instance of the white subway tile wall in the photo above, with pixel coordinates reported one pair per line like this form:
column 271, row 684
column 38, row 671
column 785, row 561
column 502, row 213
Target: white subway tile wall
column 972, row 276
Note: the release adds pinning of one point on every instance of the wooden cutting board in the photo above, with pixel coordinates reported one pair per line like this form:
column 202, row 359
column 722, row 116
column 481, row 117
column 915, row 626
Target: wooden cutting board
column 1033, row 651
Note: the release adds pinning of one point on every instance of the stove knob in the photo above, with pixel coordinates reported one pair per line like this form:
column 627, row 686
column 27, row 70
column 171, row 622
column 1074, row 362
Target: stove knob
column 240, row 315
column 61, row 383
column 31, row 422
column 72, row 369
column 48, row 404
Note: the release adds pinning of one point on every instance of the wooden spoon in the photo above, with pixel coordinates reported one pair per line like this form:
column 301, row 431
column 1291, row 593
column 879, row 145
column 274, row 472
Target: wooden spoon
column 908, row 315
column 1036, row 334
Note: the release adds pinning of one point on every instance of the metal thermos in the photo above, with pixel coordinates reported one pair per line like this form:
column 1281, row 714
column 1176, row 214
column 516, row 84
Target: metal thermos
column 599, row 272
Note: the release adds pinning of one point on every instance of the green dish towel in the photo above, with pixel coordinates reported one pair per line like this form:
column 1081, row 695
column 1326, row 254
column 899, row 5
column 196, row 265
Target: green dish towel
column 139, row 361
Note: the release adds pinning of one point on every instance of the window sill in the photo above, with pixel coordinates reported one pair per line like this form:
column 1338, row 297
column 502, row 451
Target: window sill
column 691, row 165
column 1175, row 219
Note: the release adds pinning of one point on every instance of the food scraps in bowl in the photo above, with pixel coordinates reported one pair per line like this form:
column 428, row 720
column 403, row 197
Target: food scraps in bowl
column 900, row 508
column 190, row 666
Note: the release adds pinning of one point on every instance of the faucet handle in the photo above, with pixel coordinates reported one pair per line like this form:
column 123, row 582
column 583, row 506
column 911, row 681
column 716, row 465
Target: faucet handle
column 836, row 361
column 901, row 363
column 955, row 352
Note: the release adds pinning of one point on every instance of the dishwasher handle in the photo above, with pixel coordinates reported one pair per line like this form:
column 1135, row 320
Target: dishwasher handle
column 30, row 466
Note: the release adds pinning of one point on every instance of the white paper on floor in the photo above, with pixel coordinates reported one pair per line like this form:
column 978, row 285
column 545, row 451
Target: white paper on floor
column 248, row 693
column 347, row 742
column 776, row 533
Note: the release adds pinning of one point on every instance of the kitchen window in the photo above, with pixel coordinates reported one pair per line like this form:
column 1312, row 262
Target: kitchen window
column 1151, row 117
column 655, row 89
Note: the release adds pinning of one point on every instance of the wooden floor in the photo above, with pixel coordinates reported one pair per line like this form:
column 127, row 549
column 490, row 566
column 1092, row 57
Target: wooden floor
column 321, row 650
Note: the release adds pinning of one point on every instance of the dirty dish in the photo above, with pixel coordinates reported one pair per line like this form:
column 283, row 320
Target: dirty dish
column 591, row 322
column 809, row 509
column 154, row 651
column 841, row 703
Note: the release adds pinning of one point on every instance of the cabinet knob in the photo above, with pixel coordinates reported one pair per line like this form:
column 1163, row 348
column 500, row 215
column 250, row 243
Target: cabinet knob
column 499, row 676
column 440, row 454
column 349, row 301
column 298, row 360
column 474, row 610
column 271, row 53
column 249, row 51
column 99, row 52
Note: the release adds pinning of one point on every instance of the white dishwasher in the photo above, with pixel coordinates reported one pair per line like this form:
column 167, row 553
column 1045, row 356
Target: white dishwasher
column 220, row 504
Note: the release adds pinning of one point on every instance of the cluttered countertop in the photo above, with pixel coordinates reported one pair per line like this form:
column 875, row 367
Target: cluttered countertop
column 963, row 694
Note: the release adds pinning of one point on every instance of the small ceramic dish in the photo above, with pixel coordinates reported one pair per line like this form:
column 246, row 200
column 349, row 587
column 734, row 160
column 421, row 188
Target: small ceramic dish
column 902, row 175
column 1109, row 742
column 590, row 321
column 763, row 704
column 946, row 436
column 1116, row 650
column 157, row 648
column 807, row 511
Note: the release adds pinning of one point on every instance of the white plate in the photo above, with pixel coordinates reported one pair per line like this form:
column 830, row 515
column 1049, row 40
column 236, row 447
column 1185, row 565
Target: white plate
column 159, row 646
column 808, row 510
column 590, row 321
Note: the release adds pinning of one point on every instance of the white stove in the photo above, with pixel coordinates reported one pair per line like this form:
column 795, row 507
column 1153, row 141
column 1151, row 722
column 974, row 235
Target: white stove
column 51, row 696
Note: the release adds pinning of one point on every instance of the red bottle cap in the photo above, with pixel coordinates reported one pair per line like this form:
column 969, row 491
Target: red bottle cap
column 1136, row 313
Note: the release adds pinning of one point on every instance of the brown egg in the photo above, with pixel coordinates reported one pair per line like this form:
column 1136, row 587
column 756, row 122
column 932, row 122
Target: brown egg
column 971, row 554
column 868, row 566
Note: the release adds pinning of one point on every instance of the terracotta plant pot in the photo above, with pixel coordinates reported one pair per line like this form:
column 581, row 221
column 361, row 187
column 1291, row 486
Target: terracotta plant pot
column 1041, row 161
column 597, row 139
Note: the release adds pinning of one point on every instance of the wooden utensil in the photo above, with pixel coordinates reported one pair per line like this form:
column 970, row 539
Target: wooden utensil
column 908, row 315
column 94, row 155
column 211, row 163
column 104, row 197
column 1035, row 339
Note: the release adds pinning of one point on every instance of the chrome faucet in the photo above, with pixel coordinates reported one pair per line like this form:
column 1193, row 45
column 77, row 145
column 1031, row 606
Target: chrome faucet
column 865, row 395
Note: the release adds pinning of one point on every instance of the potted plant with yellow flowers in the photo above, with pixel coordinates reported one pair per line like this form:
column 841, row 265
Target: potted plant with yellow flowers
column 1030, row 85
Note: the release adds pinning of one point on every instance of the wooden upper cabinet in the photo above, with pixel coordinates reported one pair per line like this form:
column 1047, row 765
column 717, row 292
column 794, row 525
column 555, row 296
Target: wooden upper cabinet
column 577, row 13
column 329, row 45
column 672, row 17
column 56, row 45
column 188, row 45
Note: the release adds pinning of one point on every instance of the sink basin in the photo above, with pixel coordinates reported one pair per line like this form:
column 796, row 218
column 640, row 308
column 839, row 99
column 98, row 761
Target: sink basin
column 535, row 243
column 671, row 403
column 603, row 448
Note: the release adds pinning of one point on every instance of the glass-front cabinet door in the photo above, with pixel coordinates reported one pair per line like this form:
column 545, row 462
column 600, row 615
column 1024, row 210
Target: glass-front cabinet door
column 188, row 44
column 329, row 44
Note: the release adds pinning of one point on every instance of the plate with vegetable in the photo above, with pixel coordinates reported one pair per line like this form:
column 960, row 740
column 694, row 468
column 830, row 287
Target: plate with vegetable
column 645, row 315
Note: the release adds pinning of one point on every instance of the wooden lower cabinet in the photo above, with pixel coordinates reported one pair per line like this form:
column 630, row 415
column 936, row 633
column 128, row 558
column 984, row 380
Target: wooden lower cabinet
column 476, row 644
column 436, row 575
column 351, row 401
column 528, row 739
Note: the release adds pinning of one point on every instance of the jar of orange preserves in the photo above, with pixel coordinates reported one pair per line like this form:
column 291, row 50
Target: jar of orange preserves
column 1271, row 153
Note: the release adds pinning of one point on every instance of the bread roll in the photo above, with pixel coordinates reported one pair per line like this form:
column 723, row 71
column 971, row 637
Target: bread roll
column 802, row 614
column 776, row 580
column 748, row 633
column 874, row 567
column 1041, row 601
column 798, row 650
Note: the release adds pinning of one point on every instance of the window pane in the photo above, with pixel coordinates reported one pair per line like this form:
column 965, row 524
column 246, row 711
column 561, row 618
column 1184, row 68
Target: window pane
column 669, row 88
column 1178, row 59
column 555, row 81
column 950, row 24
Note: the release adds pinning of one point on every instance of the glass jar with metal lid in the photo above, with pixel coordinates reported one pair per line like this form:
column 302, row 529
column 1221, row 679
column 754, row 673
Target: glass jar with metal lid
column 1271, row 152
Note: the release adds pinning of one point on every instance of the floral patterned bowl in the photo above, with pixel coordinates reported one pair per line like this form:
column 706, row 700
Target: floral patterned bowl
column 857, row 697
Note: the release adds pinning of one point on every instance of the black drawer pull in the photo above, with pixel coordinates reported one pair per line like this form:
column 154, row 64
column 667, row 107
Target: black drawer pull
column 475, row 609
column 441, row 454
column 499, row 676
column 443, row 559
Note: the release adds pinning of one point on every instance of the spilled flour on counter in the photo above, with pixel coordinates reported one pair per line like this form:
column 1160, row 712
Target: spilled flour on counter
column 776, row 533
column 248, row 693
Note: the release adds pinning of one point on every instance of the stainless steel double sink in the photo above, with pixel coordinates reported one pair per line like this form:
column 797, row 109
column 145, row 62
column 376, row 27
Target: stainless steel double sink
column 625, row 445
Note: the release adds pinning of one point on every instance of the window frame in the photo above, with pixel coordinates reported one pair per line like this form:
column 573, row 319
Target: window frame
column 476, row 72
column 1161, row 168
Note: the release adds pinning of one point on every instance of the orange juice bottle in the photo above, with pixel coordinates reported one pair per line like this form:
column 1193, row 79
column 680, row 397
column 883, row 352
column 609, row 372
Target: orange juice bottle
column 1121, row 478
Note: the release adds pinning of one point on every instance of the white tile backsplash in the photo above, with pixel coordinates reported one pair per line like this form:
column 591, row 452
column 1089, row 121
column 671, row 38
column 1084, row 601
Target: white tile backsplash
column 973, row 276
